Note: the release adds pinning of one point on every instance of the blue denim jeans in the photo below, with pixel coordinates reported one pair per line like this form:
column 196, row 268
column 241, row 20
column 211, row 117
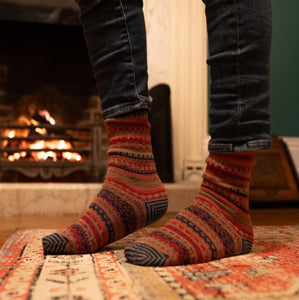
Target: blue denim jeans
column 239, row 33
column 115, row 35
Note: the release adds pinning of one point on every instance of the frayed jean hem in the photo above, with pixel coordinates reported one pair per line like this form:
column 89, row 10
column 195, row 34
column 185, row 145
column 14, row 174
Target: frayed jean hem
column 254, row 145
column 127, row 108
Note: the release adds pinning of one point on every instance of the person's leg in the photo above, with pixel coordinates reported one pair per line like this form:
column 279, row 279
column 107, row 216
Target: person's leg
column 217, row 224
column 132, row 195
column 114, row 31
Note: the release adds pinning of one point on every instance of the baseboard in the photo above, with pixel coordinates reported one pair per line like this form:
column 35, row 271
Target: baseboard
column 293, row 147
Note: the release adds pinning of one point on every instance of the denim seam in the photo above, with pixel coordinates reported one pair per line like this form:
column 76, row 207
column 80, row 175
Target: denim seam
column 130, row 45
column 238, row 67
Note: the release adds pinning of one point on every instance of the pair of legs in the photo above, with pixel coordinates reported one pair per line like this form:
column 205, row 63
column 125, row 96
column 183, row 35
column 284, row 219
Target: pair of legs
column 217, row 224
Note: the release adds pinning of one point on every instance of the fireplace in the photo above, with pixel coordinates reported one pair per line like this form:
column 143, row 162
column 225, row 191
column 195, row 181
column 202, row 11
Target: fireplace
column 51, row 126
column 38, row 153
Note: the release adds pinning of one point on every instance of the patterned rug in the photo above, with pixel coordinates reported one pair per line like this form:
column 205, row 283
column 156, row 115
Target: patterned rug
column 271, row 271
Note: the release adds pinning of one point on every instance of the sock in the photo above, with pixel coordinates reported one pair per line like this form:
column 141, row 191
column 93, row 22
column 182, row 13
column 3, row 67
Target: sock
column 132, row 195
column 217, row 224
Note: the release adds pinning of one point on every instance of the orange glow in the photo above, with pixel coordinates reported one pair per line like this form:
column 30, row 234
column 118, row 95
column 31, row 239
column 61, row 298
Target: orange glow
column 16, row 156
column 54, row 144
column 72, row 156
column 11, row 134
column 41, row 144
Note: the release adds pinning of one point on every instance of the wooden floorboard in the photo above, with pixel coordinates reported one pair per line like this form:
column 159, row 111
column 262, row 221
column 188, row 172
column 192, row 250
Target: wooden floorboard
column 10, row 225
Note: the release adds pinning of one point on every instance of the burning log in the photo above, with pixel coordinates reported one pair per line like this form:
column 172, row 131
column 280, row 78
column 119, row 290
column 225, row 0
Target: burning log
column 40, row 140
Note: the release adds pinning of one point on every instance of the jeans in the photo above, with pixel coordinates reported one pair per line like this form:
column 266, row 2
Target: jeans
column 239, row 33
column 115, row 35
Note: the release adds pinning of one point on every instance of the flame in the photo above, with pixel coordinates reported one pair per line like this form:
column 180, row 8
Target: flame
column 71, row 156
column 43, row 155
column 47, row 116
column 41, row 131
column 41, row 144
column 17, row 156
column 54, row 144
column 8, row 133
column 11, row 134
column 37, row 145
column 62, row 144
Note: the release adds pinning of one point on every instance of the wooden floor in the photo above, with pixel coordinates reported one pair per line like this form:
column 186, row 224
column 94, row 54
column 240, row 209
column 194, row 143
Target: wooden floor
column 259, row 217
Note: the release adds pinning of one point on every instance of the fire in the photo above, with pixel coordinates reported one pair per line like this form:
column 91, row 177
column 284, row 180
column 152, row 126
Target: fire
column 71, row 156
column 11, row 134
column 47, row 116
column 17, row 156
column 48, row 148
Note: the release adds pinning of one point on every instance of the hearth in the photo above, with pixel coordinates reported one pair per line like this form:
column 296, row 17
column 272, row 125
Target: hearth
column 47, row 156
column 51, row 126
column 36, row 145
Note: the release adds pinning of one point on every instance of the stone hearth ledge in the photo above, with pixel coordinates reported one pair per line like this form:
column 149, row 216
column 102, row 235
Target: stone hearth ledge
column 58, row 199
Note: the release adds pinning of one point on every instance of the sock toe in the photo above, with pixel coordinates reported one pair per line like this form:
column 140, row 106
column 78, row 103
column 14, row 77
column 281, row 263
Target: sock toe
column 54, row 243
column 145, row 255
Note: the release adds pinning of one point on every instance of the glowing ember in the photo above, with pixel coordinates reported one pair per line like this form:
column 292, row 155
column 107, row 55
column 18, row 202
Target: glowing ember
column 47, row 116
column 46, row 146
column 11, row 134
column 16, row 156
column 71, row 156
column 43, row 155
column 41, row 131
column 37, row 145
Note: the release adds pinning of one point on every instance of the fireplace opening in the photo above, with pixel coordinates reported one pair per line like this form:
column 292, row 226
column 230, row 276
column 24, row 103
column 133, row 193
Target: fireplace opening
column 51, row 126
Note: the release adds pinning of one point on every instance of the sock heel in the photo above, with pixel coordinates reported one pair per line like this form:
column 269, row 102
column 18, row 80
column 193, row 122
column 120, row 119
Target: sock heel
column 155, row 210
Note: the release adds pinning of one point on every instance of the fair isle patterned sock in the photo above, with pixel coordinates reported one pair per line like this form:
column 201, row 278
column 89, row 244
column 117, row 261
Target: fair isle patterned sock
column 132, row 195
column 217, row 224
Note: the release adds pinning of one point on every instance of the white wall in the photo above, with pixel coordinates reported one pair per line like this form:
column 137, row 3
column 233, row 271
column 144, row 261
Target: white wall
column 158, row 27
column 177, row 51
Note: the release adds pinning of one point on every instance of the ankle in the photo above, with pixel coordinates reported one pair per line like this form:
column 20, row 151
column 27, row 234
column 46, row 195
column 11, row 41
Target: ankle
column 130, row 134
column 229, row 176
column 128, row 122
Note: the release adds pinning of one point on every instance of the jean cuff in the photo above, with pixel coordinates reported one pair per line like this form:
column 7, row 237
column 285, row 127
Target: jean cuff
column 254, row 145
column 126, row 108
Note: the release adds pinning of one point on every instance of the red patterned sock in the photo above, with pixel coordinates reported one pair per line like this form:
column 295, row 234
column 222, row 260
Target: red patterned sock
column 132, row 195
column 217, row 224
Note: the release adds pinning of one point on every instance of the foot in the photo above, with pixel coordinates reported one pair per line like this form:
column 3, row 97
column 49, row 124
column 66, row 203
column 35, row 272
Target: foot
column 132, row 194
column 217, row 224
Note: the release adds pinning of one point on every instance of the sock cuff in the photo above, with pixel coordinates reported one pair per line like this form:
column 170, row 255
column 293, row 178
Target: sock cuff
column 230, row 171
column 129, row 134
column 240, row 162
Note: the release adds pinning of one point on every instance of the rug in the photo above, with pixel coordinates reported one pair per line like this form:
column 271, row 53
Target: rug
column 270, row 271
